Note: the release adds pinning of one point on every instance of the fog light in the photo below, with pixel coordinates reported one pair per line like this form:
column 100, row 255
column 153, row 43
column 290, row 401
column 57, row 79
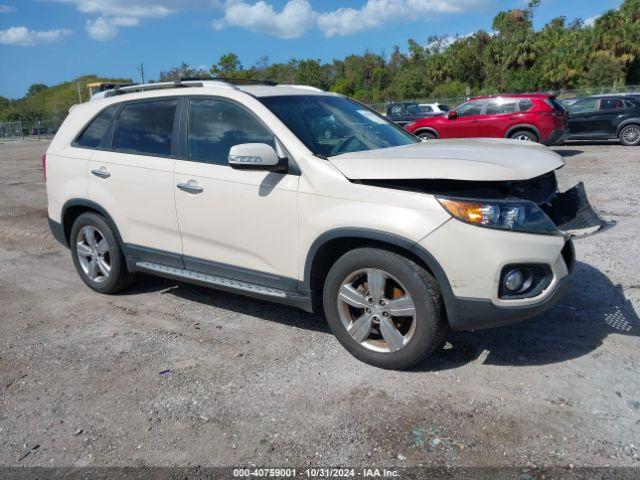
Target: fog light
column 514, row 280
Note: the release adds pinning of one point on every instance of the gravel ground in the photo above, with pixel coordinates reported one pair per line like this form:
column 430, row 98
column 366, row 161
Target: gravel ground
column 172, row 374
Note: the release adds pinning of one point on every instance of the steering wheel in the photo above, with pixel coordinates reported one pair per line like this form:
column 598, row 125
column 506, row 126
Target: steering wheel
column 340, row 147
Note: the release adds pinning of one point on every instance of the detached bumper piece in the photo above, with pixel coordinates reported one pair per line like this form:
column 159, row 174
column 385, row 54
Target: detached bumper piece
column 574, row 215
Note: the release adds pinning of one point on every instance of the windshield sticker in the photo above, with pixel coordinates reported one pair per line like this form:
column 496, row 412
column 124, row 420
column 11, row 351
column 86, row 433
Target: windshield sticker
column 371, row 116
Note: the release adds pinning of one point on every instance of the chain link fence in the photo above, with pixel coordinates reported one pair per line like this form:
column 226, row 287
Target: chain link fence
column 28, row 130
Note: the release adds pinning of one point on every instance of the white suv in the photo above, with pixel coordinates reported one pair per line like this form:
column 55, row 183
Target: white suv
column 308, row 198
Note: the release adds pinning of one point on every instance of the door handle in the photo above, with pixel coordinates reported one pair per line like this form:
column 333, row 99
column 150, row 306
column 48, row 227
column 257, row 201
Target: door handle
column 101, row 173
column 190, row 187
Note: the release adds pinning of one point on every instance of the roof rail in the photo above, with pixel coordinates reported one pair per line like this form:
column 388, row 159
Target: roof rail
column 236, row 81
column 304, row 87
column 144, row 87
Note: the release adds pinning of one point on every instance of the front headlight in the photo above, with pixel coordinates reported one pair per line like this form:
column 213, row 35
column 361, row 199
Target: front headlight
column 514, row 215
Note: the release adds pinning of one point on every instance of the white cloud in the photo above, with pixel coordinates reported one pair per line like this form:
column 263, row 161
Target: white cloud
column 591, row 21
column 24, row 37
column 113, row 14
column 127, row 8
column 292, row 20
column 375, row 13
column 298, row 16
column 7, row 9
column 106, row 28
column 295, row 19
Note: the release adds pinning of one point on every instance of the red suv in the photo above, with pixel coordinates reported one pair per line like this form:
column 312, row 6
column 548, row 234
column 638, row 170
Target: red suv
column 535, row 117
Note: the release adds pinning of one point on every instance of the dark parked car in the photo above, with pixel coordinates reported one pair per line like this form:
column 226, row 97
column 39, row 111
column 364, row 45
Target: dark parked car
column 403, row 113
column 606, row 117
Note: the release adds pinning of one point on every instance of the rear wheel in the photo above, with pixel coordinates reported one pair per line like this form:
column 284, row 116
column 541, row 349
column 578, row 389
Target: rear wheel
column 630, row 135
column 97, row 255
column 525, row 135
column 385, row 309
column 427, row 135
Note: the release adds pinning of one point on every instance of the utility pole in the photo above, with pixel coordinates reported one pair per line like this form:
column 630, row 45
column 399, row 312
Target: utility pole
column 141, row 71
column 79, row 94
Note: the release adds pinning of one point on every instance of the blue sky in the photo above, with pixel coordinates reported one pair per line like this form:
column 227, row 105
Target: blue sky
column 50, row 41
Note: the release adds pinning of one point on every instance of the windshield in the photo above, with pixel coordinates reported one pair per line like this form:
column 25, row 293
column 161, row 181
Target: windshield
column 330, row 125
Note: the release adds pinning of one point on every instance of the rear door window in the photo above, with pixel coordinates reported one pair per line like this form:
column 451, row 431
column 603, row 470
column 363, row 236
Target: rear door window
column 92, row 136
column 146, row 127
column 215, row 126
column 524, row 105
column 611, row 104
column 500, row 106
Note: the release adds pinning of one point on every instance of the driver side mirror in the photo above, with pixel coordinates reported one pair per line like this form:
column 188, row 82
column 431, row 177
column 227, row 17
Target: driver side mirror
column 256, row 156
column 452, row 115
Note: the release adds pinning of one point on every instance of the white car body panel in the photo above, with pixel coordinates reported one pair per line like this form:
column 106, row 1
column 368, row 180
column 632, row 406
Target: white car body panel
column 248, row 219
column 467, row 159
column 139, row 197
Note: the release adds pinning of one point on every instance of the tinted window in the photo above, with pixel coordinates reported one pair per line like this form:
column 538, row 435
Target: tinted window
column 501, row 105
column 396, row 110
column 470, row 108
column 611, row 104
column 426, row 109
column 146, row 127
column 584, row 106
column 216, row 126
column 92, row 135
column 330, row 125
column 413, row 110
column 444, row 108
column 524, row 105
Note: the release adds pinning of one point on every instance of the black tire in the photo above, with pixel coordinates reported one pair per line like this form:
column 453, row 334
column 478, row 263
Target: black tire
column 431, row 325
column 119, row 276
column 524, row 135
column 630, row 135
column 427, row 135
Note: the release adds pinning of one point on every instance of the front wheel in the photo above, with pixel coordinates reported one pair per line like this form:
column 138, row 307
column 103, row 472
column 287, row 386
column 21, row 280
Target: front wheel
column 385, row 309
column 630, row 135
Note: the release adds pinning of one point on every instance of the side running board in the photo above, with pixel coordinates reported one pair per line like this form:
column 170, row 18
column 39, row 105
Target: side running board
column 214, row 281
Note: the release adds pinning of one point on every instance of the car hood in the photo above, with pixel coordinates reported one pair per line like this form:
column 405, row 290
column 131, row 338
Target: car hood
column 482, row 159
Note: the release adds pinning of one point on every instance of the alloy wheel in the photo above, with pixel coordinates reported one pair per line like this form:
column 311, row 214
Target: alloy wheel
column 93, row 254
column 631, row 135
column 523, row 136
column 377, row 310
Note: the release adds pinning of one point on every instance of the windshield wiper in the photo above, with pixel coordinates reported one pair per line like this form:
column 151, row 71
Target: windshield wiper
column 319, row 155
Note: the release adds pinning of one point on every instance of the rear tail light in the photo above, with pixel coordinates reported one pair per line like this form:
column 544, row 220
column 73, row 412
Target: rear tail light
column 44, row 166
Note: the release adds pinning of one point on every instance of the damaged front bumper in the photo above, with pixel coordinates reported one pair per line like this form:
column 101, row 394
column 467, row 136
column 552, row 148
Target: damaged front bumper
column 573, row 214
column 482, row 255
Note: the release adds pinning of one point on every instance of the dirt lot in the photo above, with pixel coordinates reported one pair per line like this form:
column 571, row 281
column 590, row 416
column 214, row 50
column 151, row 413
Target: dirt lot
column 254, row 383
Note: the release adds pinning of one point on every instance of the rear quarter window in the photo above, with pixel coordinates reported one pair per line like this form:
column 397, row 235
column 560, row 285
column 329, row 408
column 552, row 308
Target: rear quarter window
column 92, row 135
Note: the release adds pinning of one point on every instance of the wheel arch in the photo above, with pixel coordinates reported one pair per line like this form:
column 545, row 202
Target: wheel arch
column 626, row 123
column 524, row 126
column 426, row 129
column 331, row 245
column 75, row 207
